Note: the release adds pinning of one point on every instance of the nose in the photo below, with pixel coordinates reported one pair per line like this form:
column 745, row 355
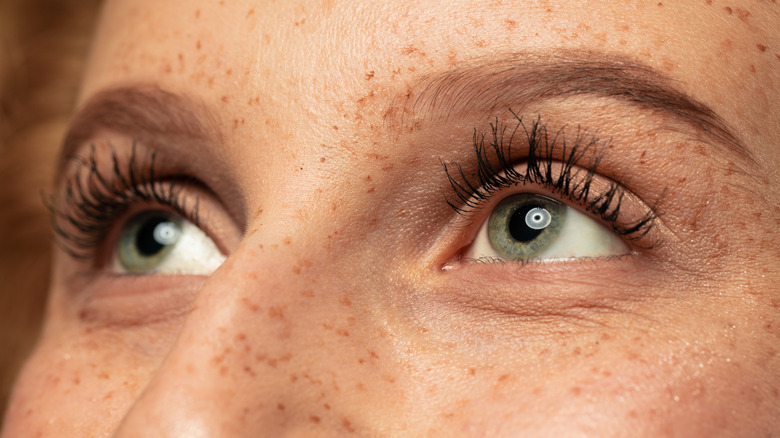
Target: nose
column 270, row 348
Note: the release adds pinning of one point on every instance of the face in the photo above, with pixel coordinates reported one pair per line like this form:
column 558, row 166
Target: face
column 410, row 218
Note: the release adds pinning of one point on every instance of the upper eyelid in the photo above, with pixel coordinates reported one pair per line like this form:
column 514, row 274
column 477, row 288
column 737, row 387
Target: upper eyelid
column 492, row 178
column 89, row 197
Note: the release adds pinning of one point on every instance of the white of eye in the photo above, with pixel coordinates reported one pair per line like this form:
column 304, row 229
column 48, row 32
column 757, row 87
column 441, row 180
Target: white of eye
column 195, row 253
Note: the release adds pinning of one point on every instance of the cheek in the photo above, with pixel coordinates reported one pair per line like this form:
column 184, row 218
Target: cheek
column 76, row 388
column 607, row 386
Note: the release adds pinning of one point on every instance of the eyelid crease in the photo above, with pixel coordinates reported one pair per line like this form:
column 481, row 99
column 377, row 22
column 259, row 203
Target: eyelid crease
column 496, row 171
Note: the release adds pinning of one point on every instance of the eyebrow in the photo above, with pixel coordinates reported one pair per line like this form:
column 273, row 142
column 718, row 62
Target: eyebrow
column 147, row 113
column 521, row 79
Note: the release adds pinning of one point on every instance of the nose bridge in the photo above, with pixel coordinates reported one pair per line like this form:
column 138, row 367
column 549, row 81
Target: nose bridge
column 237, row 365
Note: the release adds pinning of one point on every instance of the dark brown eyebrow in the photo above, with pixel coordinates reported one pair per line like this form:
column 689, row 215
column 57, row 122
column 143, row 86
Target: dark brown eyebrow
column 514, row 82
column 147, row 113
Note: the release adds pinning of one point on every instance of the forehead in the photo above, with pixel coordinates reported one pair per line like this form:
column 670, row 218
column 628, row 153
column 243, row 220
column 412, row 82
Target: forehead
column 343, row 62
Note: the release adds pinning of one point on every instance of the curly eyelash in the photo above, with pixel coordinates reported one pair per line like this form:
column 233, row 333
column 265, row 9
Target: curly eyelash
column 93, row 199
column 496, row 171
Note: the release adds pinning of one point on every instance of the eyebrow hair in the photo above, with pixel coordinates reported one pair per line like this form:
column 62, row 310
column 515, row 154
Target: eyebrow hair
column 514, row 82
column 145, row 112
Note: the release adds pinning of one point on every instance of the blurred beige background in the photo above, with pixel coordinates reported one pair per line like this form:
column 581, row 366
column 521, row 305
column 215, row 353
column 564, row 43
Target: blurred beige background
column 43, row 45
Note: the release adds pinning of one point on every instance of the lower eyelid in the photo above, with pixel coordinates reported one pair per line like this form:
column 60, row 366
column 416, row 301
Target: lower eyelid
column 121, row 301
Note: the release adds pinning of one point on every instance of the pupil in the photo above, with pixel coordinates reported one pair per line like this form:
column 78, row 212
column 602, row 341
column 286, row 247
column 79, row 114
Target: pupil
column 148, row 240
column 518, row 225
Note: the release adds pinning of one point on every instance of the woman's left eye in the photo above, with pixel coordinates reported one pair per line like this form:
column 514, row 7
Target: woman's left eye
column 533, row 227
column 159, row 242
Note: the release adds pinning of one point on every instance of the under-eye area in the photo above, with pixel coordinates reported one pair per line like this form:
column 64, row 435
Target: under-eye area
column 549, row 204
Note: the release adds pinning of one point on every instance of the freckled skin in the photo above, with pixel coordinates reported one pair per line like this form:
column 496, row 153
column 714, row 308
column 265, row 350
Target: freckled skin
column 328, row 317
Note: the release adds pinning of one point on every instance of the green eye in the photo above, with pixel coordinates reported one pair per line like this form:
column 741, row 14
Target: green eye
column 147, row 240
column 529, row 226
column 524, row 225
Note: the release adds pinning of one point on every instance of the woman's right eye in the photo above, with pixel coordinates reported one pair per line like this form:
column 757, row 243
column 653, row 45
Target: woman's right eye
column 159, row 242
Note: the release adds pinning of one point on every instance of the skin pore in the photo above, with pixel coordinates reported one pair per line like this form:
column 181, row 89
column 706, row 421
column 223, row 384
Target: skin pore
column 314, row 138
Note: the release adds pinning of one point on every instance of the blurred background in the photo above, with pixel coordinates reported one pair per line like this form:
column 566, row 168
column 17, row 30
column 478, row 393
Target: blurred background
column 43, row 48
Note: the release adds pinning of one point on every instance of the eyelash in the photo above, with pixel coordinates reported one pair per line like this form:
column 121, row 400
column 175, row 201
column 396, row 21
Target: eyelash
column 92, row 203
column 493, row 178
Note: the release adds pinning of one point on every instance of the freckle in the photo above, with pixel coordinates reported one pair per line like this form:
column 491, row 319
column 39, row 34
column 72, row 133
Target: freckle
column 373, row 354
column 344, row 301
column 223, row 370
column 76, row 381
column 250, row 13
column 280, row 406
column 371, row 190
column 253, row 307
column 510, row 24
column 743, row 14
column 370, row 75
column 660, row 5
column 728, row 10
column 577, row 351
column 761, row 47
column 103, row 376
column 296, row 270
column 197, row 13
column 708, row 2
column 198, row 45
column 342, row 332
column 347, row 425
column 225, row 99
column 314, row 419
column 168, row 69
column 276, row 312
column 503, row 377
column 272, row 363
column 682, row 180
column 308, row 293
column 240, row 337
column 229, row 72
column 361, row 361
column 472, row 371
column 576, row 390
column 326, row 406
column 249, row 371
